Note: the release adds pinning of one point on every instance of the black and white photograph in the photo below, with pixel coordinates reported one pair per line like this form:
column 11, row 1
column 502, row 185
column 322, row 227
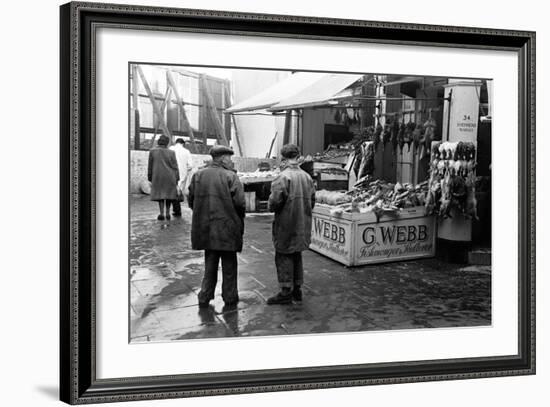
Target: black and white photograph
column 286, row 202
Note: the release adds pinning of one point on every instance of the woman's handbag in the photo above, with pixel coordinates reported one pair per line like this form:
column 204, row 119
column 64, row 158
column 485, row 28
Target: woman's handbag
column 179, row 193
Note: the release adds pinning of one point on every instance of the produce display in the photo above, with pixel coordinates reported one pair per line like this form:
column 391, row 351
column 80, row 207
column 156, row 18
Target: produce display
column 258, row 174
column 364, row 162
column 452, row 179
column 332, row 198
column 452, row 184
column 396, row 134
column 378, row 196
column 333, row 170
column 334, row 151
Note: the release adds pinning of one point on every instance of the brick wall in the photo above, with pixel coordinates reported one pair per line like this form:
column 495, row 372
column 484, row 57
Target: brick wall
column 139, row 159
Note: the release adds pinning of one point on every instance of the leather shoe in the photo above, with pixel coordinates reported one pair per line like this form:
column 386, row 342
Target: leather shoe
column 229, row 306
column 204, row 304
column 280, row 298
column 297, row 294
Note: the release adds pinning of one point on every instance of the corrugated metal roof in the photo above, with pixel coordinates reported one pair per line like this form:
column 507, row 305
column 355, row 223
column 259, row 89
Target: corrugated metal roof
column 279, row 91
column 318, row 93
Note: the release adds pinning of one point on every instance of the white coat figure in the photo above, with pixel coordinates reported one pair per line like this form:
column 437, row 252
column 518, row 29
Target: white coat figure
column 184, row 159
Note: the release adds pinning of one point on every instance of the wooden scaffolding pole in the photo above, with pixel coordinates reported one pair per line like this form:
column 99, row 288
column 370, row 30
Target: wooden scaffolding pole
column 156, row 108
column 268, row 155
column 211, row 108
column 162, row 107
column 135, row 109
column 232, row 119
column 172, row 84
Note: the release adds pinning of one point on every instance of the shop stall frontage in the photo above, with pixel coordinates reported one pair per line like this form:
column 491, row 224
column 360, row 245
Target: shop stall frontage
column 401, row 164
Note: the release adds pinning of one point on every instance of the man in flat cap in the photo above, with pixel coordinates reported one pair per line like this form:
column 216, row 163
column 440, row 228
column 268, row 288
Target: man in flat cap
column 216, row 197
column 292, row 199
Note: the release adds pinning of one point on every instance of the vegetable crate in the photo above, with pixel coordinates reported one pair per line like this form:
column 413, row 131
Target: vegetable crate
column 356, row 239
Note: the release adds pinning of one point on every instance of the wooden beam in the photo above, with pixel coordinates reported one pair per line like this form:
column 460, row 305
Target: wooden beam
column 211, row 108
column 172, row 84
column 237, row 137
column 135, row 88
column 232, row 119
column 165, row 101
column 268, row 155
column 135, row 109
column 156, row 108
column 162, row 107
column 226, row 102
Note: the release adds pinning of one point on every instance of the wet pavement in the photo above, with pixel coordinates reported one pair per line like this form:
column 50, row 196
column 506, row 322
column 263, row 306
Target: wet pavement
column 165, row 277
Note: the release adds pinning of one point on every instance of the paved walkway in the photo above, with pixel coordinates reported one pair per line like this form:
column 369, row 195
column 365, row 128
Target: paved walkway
column 165, row 276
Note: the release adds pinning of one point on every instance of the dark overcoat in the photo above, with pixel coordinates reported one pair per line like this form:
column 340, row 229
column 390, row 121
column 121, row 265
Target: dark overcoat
column 162, row 172
column 216, row 196
column 292, row 199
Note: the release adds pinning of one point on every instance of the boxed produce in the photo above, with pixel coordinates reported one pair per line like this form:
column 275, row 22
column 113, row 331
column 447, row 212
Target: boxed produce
column 375, row 222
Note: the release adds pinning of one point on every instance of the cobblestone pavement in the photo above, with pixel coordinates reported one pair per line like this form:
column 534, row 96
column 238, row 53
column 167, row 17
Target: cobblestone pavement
column 165, row 276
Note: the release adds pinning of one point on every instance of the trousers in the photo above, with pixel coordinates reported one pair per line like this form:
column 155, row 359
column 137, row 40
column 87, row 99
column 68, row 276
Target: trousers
column 229, row 276
column 176, row 205
column 290, row 269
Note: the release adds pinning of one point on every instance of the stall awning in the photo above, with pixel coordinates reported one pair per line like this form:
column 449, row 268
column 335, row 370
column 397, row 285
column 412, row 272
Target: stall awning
column 274, row 94
column 397, row 80
column 318, row 93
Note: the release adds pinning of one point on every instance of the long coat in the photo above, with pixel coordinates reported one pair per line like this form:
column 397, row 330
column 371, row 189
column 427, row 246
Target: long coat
column 292, row 199
column 185, row 162
column 162, row 172
column 216, row 196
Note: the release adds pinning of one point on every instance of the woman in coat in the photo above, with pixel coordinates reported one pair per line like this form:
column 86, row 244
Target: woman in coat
column 162, row 172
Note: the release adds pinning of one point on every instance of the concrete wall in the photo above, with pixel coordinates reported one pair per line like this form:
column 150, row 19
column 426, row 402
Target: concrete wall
column 139, row 160
column 138, row 169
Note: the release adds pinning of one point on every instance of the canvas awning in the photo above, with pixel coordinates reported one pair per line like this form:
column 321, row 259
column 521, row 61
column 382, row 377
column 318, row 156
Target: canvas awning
column 279, row 91
column 397, row 80
column 318, row 93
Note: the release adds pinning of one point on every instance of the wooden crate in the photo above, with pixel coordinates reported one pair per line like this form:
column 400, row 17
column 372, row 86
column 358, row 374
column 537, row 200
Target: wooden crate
column 358, row 238
column 333, row 185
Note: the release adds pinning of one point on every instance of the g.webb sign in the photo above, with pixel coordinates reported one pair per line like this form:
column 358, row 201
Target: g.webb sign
column 355, row 239
column 399, row 239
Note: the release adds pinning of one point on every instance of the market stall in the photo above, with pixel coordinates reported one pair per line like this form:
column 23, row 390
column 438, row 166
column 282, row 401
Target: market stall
column 393, row 159
column 378, row 223
column 257, row 187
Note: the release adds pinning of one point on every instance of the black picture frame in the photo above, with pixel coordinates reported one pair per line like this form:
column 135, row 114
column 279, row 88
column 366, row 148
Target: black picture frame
column 78, row 382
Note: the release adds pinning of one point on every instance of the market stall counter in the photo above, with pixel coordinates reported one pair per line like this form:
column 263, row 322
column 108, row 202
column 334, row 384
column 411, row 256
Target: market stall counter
column 354, row 238
column 257, row 186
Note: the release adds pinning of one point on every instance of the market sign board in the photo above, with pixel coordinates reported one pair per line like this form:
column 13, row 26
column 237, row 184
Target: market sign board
column 331, row 237
column 357, row 239
column 398, row 239
column 461, row 116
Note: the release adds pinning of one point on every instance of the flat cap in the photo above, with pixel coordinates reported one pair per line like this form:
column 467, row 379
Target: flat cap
column 218, row 150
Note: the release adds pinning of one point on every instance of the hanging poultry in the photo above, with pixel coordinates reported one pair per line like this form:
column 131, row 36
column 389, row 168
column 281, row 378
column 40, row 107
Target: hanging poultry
column 401, row 135
column 427, row 137
column 417, row 135
column 471, row 201
column 394, row 134
column 407, row 136
column 386, row 133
